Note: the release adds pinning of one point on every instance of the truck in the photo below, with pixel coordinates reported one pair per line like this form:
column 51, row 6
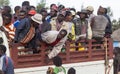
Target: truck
column 96, row 58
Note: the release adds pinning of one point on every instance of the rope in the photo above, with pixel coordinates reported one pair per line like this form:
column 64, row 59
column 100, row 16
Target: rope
column 106, row 57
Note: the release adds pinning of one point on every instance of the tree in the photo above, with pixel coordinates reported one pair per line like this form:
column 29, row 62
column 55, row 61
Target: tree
column 4, row 2
column 109, row 12
column 116, row 24
column 41, row 5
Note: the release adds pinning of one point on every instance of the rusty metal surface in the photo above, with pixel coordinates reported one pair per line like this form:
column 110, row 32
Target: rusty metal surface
column 33, row 60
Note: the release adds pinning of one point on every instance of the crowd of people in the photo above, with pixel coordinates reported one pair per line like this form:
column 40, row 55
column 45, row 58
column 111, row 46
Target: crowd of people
column 30, row 27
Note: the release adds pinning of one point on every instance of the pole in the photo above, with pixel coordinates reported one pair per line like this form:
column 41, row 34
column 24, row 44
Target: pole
column 106, row 57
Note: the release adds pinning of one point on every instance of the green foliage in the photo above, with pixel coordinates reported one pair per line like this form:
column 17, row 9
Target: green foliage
column 116, row 24
column 41, row 5
column 109, row 11
column 4, row 2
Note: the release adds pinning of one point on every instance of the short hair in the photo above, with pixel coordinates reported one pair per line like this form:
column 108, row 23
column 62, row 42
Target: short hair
column 67, row 13
column 52, row 5
column 7, row 9
column 116, row 50
column 2, row 47
column 63, row 31
column 8, row 15
column 57, row 61
column 43, row 10
column 17, row 8
column 26, row 3
column 71, row 71
column 30, row 7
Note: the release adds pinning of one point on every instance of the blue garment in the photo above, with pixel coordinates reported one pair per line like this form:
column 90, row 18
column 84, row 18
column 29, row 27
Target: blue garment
column 8, row 67
column 22, row 29
column 48, row 19
column 16, row 23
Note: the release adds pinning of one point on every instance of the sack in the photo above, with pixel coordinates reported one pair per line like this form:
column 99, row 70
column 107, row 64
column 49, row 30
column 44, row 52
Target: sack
column 29, row 35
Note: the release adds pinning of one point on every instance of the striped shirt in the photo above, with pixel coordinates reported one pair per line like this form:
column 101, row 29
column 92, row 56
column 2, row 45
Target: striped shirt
column 11, row 31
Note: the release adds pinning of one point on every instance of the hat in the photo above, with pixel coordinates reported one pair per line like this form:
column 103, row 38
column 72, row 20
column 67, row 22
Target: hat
column 73, row 12
column 82, row 11
column 90, row 8
column 37, row 18
column 32, row 12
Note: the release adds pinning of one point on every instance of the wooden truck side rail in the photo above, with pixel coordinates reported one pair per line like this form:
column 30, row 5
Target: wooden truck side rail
column 90, row 54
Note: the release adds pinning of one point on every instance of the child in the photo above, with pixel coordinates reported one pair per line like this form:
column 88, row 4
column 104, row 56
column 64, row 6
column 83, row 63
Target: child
column 59, row 69
column 71, row 71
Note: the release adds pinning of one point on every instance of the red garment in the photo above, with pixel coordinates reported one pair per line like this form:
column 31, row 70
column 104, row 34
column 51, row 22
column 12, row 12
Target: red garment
column 55, row 42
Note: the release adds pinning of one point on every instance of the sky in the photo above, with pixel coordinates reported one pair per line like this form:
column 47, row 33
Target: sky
column 114, row 4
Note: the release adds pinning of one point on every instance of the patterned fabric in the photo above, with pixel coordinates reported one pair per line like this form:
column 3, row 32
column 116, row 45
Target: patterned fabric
column 11, row 30
column 29, row 35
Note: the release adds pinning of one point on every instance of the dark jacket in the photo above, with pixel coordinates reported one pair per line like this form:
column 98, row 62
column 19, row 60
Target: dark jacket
column 109, row 25
column 44, row 27
column 8, row 67
column 80, row 26
column 22, row 29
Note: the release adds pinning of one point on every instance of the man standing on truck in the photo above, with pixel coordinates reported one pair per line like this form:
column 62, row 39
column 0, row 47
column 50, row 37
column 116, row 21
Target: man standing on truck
column 6, row 64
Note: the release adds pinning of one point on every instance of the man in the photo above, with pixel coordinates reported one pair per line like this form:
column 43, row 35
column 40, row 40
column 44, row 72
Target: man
column 45, row 26
column 108, row 30
column 22, row 14
column 99, row 24
column 56, row 39
column 81, row 25
column 26, row 32
column 8, row 27
column 16, row 14
column 6, row 64
column 53, row 13
column 58, row 23
column 90, row 11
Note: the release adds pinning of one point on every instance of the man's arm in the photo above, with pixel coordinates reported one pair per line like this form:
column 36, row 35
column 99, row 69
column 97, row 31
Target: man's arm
column 19, row 28
column 56, row 49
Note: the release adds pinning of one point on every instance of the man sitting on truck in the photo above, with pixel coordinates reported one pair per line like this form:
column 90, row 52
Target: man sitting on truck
column 56, row 40
column 99, row 24
column 26, row 33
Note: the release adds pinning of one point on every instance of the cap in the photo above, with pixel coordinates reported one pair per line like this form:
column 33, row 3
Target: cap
column 37, row 18
column 90, row 8
column 32, row 12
